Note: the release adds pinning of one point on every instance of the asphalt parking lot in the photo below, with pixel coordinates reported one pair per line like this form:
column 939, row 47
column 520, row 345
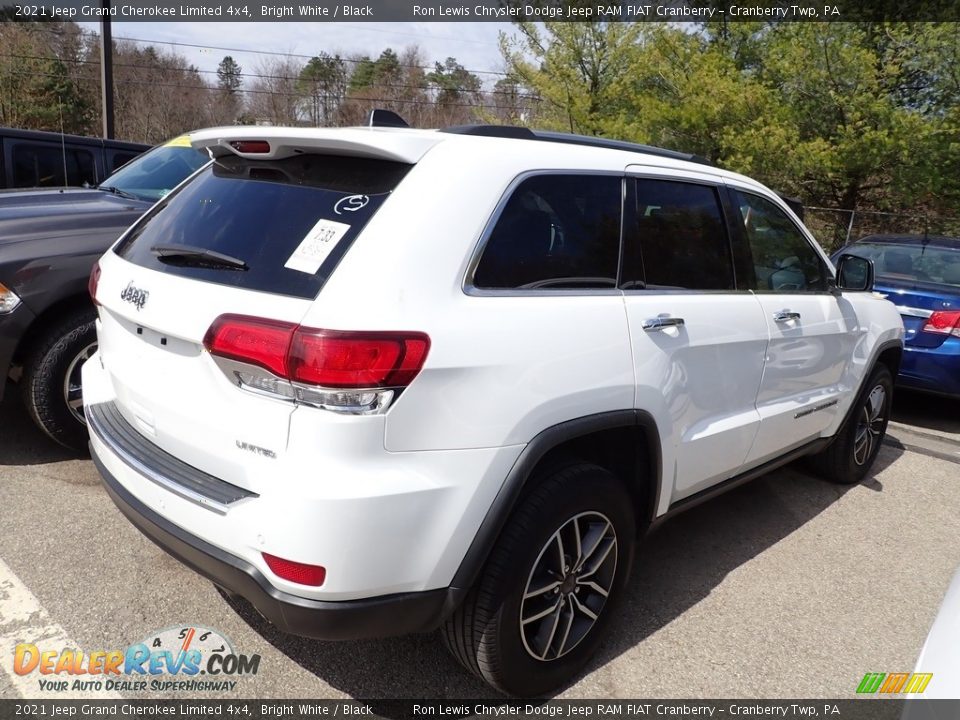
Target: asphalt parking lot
column 786, row 587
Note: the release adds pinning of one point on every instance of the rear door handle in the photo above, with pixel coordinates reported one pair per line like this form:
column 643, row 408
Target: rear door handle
column 786, row 316
column 661, row 323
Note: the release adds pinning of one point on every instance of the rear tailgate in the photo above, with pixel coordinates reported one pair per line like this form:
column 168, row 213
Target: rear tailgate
column 168, row 387
column 254, row 237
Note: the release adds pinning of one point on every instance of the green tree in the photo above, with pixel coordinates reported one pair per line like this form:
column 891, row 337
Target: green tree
column 364, row 73
column 454, row 83
column 323, row 83
column 573, row 68
column 229, row 77
column 386, row 69
column 850, row 115
column 65, row 107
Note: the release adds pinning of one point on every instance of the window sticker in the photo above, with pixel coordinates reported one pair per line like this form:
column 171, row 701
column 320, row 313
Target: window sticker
column 316, row 246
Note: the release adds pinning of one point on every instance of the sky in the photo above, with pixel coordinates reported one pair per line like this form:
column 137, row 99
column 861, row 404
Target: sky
column 474, row 45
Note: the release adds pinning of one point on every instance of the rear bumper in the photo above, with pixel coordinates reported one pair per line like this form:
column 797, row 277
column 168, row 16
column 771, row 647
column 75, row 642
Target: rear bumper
column 397, row 614
column 934, row 370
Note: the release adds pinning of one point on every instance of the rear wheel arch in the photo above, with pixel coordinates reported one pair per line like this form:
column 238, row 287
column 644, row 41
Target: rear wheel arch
column 624, row 442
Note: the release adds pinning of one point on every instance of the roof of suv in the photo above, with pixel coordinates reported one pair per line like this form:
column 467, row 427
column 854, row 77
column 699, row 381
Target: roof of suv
column 409, row 145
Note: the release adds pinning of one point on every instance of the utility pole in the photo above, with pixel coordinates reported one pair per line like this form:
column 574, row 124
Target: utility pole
column 106, row 70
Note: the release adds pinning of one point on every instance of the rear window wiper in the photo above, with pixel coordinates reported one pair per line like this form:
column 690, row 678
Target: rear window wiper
column 197, row 257
column 117, row 191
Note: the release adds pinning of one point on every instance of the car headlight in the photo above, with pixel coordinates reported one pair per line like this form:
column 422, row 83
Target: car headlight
column 8, row 299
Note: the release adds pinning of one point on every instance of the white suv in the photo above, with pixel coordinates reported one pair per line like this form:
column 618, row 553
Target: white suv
column 382, row 380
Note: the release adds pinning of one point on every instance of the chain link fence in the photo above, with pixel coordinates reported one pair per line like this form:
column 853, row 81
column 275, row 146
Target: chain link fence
column 835, row 228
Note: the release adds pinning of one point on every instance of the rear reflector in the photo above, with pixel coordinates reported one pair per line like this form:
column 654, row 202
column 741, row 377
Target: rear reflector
column 251, row 146
column 327, row 358
column 944, row 322
column 94, row 282
column 296, row 572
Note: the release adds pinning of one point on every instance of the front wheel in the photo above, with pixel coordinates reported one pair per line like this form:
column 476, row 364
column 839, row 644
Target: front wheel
column 51, row 378
column 850, row 456
column 543, row 602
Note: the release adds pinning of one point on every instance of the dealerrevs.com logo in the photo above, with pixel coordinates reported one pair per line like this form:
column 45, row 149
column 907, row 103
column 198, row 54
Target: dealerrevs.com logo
column 184, row 658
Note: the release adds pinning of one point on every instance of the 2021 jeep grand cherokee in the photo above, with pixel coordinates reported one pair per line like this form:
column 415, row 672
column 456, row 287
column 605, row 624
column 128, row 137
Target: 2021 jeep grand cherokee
column 386, row 380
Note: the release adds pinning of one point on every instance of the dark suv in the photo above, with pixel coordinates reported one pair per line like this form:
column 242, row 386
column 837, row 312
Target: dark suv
column 49, row 240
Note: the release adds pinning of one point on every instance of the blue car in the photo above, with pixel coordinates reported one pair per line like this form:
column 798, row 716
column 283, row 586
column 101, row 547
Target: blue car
column 920, row 274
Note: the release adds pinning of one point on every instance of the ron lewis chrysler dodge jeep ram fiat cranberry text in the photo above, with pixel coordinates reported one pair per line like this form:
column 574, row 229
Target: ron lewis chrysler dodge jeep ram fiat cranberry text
column 381, row 380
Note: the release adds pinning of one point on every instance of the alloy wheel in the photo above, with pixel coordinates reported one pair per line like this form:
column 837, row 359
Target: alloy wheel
column 870, row 425
column 72, row 390
column 568, row 586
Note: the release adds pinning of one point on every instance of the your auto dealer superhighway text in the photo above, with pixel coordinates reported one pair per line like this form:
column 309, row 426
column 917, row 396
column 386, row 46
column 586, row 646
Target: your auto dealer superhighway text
column 630, row 709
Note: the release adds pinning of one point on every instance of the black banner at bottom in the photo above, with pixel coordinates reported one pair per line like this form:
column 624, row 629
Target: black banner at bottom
column 850, row 709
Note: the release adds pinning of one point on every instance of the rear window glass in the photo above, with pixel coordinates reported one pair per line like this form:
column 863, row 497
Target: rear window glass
column 917, row 263
column 289, row 221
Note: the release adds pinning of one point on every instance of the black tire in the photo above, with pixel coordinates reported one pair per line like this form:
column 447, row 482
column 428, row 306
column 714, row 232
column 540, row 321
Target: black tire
column 53, row 354
column 486, row 634
column 849, row 457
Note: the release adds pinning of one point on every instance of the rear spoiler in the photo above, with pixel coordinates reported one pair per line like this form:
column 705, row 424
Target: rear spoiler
column 275, row 143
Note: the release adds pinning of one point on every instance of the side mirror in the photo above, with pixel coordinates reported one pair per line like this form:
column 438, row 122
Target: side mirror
column 854, row 273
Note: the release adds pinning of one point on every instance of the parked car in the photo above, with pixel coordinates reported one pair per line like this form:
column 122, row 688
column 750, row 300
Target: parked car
column 381, row 380
column 34, row 158
column 941, row 651
column 920, row 274
column 49, row 240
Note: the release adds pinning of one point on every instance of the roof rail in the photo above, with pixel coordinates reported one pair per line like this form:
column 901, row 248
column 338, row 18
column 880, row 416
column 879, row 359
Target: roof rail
column 571, row 139
column 379, row 117
column 522, row 133
column 501, row 131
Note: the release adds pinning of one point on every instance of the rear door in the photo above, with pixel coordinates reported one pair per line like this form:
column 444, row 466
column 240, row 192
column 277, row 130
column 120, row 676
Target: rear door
column 251, row 237
column 812, row 331
column 698, row 342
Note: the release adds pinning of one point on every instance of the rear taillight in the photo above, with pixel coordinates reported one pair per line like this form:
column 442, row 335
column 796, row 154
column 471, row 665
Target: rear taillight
column 356, row 359
column 265, row 343
column 351, row 372
column 944, row 322
column 94, row 282
column 296, row 572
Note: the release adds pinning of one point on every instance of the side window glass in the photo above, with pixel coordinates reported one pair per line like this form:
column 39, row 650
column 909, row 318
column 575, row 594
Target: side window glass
column 783, row 259
column 555, row 231
column 680, row 240
column 44, row 166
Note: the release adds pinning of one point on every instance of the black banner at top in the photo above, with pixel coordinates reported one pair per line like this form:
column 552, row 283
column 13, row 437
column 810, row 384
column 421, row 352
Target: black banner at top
column 485, row 10
column 454, row 709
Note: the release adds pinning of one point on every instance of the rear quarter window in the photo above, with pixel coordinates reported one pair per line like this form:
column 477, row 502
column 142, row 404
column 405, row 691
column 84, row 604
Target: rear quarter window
column 290, row 221
column 555, row 231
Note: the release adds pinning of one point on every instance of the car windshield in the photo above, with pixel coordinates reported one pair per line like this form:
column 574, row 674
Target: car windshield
column 155, row 173
column 914, row 262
